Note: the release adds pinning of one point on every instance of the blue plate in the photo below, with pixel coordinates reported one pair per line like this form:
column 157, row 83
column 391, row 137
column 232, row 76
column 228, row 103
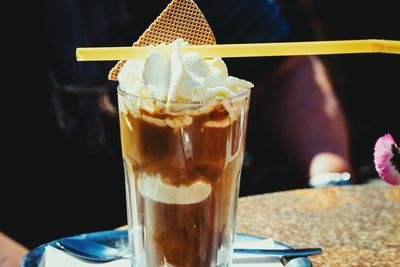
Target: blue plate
column 119, row 238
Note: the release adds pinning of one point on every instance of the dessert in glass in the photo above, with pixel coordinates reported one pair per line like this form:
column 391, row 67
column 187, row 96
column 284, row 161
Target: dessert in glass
column 183, row 126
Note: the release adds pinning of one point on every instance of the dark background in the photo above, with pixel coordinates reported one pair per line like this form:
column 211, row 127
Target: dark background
column 42, row 166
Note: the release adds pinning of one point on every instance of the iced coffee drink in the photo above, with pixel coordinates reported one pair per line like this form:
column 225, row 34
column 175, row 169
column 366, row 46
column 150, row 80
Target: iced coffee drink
column 183, row 122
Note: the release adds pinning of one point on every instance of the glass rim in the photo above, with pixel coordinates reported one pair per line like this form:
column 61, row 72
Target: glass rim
column 121, row 91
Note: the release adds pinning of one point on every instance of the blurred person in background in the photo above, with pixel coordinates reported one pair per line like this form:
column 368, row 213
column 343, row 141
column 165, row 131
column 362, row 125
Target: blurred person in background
column 67, row 127
column 366, row 84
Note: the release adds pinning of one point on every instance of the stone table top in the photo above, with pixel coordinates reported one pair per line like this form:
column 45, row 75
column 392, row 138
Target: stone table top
column 356, row 225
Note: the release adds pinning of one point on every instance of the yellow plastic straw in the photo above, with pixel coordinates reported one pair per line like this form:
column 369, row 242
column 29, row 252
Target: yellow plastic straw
column 249, row 50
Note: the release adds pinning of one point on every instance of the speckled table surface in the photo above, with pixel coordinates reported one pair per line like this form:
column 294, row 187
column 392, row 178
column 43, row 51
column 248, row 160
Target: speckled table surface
column 355, row 225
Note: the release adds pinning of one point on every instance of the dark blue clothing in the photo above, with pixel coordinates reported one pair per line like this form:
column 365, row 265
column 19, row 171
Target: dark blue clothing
column 76, row 23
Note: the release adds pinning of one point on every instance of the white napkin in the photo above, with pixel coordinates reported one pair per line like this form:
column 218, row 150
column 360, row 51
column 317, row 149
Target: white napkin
column 54, row 257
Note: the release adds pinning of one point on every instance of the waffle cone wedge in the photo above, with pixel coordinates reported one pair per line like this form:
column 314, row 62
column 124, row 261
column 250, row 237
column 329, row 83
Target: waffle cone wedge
column 180, row 19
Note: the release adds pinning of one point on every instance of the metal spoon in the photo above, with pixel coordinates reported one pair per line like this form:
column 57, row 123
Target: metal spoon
column 94, row 251
column 91, row 250
column 298, row 262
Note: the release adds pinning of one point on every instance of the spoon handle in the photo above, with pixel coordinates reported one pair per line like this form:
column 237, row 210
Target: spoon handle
column 92, row 250
column 300, row 252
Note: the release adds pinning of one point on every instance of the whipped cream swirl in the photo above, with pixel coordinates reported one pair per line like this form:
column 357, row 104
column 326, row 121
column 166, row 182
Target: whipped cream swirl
column 168, row 75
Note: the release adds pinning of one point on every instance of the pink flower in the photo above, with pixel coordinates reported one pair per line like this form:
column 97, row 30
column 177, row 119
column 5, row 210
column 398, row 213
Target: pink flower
column 387, row 159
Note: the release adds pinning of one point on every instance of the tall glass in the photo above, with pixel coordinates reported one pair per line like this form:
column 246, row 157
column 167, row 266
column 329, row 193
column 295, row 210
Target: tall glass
column 182, row 164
